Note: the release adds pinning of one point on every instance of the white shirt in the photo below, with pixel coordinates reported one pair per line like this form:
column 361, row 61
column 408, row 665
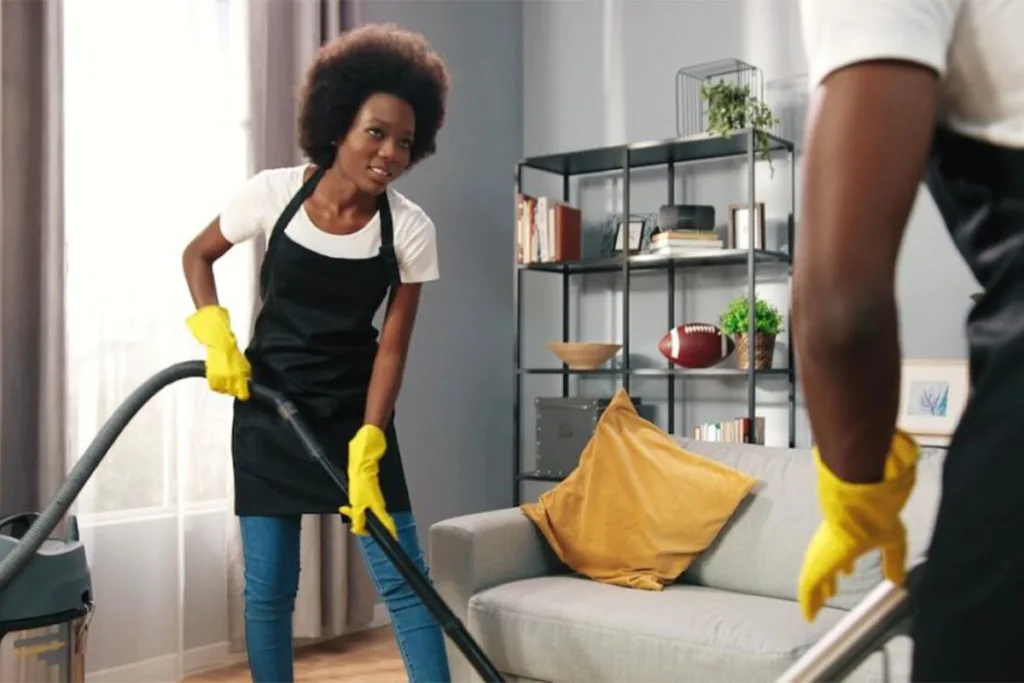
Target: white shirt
column 975, row 46
column 256, row 206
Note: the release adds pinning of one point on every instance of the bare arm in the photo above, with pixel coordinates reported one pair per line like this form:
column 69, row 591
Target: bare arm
column 197, row 263
column 868, row 140
column 389, row 365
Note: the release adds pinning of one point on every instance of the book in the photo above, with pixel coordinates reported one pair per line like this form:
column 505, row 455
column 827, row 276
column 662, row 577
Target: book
column 683, row 241
column 738, row 430
column 547, row 230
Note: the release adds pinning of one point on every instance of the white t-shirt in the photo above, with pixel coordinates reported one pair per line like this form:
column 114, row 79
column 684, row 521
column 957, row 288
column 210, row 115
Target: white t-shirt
column 256, row 206
column 975, row 46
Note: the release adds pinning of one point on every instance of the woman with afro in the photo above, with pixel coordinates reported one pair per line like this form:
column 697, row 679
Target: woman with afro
column 340, row 241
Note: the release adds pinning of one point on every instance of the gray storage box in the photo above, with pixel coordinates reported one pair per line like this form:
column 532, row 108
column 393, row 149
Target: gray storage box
column 565, row 425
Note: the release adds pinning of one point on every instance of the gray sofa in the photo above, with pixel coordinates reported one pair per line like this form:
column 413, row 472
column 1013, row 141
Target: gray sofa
column 733, row 616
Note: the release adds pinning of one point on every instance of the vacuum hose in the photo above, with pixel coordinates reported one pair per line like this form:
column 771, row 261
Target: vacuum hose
column 45, row 523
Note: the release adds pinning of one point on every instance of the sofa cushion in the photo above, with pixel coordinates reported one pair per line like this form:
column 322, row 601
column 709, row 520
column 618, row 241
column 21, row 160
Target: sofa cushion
column 761, row 548
column 568, row 628
column 638, row 509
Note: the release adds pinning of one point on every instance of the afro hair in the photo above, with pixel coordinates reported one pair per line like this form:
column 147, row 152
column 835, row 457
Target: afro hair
column 363, row 61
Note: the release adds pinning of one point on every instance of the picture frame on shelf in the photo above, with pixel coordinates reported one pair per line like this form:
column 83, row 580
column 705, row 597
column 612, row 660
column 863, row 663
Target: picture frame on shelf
column 739, row 228
column 933, row 395
column 638, row 227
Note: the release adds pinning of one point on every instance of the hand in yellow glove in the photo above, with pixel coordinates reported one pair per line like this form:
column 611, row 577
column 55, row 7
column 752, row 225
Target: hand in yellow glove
column 227, row 369
column 857, row 519
column 365, row 450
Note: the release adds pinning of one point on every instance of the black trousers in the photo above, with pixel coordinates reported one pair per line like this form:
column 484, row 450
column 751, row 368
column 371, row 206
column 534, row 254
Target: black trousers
column 969, row 619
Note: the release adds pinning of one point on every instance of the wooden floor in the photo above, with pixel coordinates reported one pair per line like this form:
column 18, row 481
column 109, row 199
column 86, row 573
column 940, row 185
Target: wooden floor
column 366, row 657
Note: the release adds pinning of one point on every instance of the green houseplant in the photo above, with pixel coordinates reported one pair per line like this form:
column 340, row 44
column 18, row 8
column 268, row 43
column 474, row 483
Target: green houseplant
column 732, row 106
column 735, row 322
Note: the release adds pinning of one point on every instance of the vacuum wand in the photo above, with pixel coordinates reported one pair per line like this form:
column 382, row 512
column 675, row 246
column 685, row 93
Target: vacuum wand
column 36, row 535
column 886, row 612
column 409, row 571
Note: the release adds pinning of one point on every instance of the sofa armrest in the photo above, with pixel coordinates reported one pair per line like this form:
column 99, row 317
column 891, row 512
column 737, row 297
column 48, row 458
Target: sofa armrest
column 475, row 552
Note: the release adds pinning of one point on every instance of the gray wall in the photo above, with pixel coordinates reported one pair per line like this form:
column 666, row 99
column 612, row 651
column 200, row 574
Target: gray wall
column 603, row 72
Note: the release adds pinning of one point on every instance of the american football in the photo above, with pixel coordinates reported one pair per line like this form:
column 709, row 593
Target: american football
column 696, row 345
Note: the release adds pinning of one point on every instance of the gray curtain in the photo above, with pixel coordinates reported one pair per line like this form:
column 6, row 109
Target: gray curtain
column 336, row 595
column 32, row 393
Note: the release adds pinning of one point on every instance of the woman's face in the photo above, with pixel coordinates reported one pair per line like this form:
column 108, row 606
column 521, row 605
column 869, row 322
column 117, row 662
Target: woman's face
column 376, row 149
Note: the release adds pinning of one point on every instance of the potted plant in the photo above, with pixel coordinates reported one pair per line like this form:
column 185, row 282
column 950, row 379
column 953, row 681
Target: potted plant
column 735, row 322
column 731, row 106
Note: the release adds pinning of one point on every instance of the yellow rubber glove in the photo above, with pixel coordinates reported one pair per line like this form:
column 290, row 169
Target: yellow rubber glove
column 227, row 369
column 365, row 450
column 857, row 519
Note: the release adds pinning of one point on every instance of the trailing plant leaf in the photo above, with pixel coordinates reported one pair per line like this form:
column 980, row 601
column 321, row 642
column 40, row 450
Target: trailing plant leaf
column 736, row 318
column 732, row 106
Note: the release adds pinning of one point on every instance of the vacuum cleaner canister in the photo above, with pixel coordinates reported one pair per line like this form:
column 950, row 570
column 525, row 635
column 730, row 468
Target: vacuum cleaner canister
column 44, row 613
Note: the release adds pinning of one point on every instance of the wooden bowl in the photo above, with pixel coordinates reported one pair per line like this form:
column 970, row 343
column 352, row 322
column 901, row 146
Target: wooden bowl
column 584, row 355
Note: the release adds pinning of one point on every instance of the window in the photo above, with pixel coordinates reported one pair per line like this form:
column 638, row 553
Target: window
column 155, row 141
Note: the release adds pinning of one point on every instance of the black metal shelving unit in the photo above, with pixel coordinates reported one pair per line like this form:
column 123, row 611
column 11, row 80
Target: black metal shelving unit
column 624, row 158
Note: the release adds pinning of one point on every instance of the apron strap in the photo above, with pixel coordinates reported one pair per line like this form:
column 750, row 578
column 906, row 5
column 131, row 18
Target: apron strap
column 387, row 231
column 284, row 219
column 387, row 241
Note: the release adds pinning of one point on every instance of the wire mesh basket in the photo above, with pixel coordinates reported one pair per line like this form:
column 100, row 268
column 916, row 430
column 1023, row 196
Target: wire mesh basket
column 695, row 85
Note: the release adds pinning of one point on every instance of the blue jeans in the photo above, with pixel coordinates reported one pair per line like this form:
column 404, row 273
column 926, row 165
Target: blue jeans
column 270, row 548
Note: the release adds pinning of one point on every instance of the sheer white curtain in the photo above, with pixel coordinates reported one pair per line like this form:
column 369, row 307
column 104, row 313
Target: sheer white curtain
column 156, row 140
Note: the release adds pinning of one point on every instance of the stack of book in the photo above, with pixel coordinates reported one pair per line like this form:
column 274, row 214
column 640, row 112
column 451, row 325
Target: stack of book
column 732, row 431
column 684, row 241
column 547, row 230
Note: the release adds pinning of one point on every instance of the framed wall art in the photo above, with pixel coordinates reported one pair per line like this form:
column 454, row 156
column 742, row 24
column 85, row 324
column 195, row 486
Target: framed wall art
column 933, row 394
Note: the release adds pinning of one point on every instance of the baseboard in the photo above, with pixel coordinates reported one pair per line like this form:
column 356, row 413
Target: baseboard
column 164, row 669
column 197, row 660
column 201, row 659
column 155, row 670
column 380, row 616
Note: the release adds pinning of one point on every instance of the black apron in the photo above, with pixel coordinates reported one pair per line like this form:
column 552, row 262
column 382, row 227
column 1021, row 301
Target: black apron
column 968, row 623
column 314, row 341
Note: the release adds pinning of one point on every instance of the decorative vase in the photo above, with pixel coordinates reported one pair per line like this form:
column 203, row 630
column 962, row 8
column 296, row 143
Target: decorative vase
column 764, row 350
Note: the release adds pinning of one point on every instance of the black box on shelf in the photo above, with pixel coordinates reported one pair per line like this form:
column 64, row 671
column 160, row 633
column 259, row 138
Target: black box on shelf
column 686, row 217
column 565, row 425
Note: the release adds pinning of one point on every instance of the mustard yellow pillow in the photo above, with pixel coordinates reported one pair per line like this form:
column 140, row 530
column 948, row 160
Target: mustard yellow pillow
column 638, row 509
